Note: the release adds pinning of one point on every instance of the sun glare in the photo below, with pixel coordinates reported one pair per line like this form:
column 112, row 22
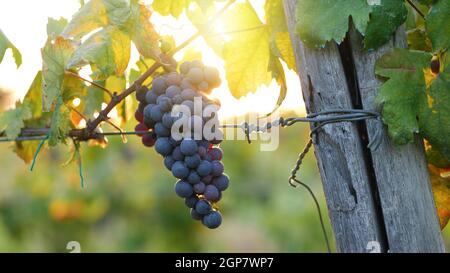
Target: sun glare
column 30, row 36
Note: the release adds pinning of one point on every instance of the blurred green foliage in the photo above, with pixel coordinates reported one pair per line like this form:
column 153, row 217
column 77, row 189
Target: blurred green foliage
column 128, row 203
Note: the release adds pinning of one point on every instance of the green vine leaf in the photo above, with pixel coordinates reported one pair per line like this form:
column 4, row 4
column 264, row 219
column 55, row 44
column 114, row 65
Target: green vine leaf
column 55, row 56
column 170, row 7
column 402, row 93
column 4, row 45
column 438, row 26
column 143, row 33
column 56, row 27
column 434, row 119
column 60, row 123
column 108, row 50
column 415, row 100
column 320, row 21
column 384, row 21
column 12, row 121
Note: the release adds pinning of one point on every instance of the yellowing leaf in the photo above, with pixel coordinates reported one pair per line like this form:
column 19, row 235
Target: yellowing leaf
column 90, row 16
column 4, row 45
column 441, row 191
column 55, row 55
column 26, row 150
column 143, row 34
column 55, row 27
column 34, row 96
column 60, row 123
column 246, row 55
column 108, row 49
column 170, row 7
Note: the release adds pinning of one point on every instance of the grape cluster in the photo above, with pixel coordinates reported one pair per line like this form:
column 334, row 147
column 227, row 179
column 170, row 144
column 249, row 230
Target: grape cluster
column 194, row 161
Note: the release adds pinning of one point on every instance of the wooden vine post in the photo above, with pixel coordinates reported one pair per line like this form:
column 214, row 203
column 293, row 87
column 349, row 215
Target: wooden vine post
column 375, row 198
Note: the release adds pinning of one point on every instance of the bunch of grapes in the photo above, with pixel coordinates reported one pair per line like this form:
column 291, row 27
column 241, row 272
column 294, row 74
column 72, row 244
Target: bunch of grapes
column 195, row 161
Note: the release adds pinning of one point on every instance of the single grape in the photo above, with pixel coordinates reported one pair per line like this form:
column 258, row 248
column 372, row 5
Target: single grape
column 151, row 97
column 192, row 161
column 199, row 187
column 139, row 116
column 177, row 99
column 212, row 220
column 141, row 92
column 156, row 113
column 173, row 78
column 168, row 162
column 435, row 66
column 184, row 67
column 195, row 215
column 202, row 152
column 211, row 193
column 193, row 177
column 165, row 103
column 211, row 75
column 141, row 128
column 203, row 207
column 217, row 168
column 177, row 154
column 167, row 120
column 188, row 94
column 172, row 91
column 183, row 189
column 190, row 105
column 148, row 140
column 195, row 75
column 207, row 179
column 221, row 182
column 161, row 130
column 163, row 147
column 204, row 168
column 185, row 84
column 179, row 170
column 188, row 147
column 191, row 201
column 216, row 153
column 159, row 85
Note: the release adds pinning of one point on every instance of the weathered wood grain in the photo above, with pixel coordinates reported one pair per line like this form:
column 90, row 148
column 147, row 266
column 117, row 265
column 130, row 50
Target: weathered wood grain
column 338, row 148
column 401, row 172
column 381, row 196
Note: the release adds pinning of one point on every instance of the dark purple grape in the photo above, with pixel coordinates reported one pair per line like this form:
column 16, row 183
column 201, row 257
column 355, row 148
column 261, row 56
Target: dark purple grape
column 165, row 103
column 161, row 130
column 141, row 128
column 141, row 92
column 188, row 94
column 216, row 153
column 195, row 215
column 204, row 168
column 183, row 189
column 217, row 168
column 221, row 182
column 212, row 220
column 179, row 170
column 177, row 155
column 193, row 177
column 191, row 201
column 167, row 120
column 168, row 162
column 177, row 99
column 211, row 193
column 188, row 147
column 151, row 97
column 172, row 91
column 199, row 187
column 163, row 147
column 156, row 113
column 159, row 85
column 192, row 161
column 207, row 179
column 203, row 207
column 148, row 140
